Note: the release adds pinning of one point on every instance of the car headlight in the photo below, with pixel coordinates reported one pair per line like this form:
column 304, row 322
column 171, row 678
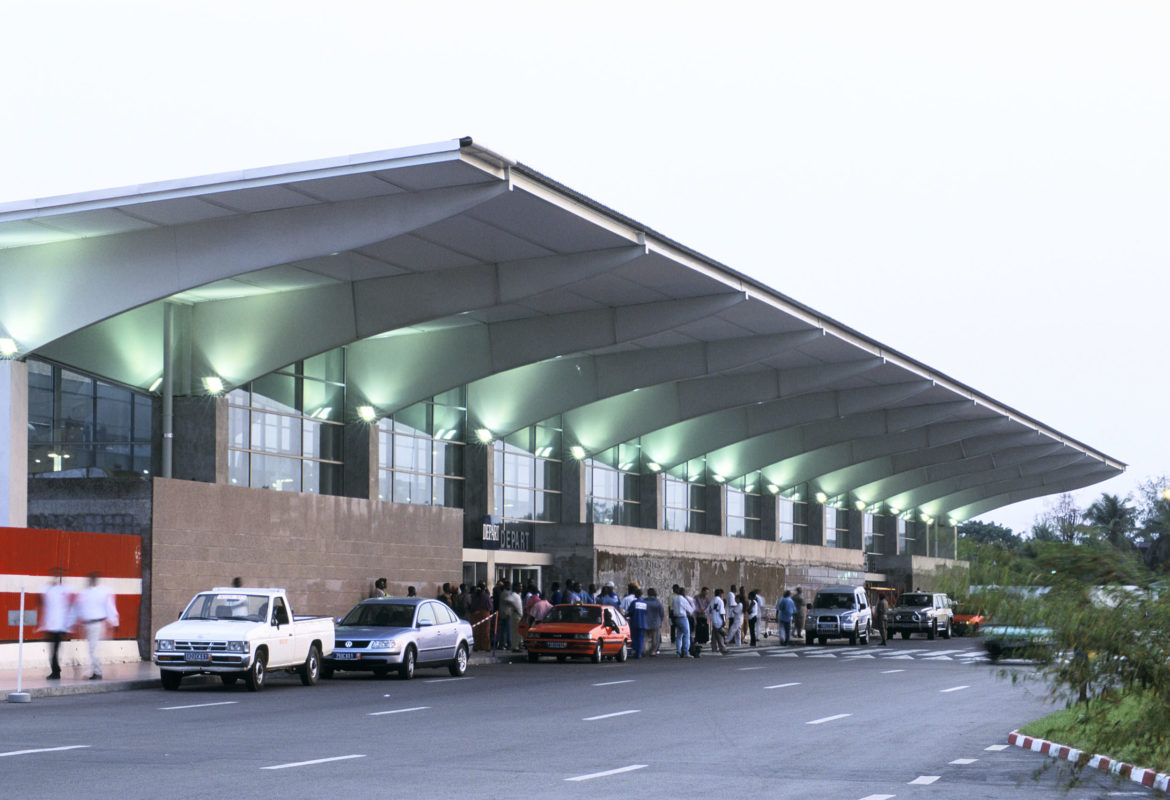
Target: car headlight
column 582, row 636
column 164, row 644
column 238, row 647
column 391, row 645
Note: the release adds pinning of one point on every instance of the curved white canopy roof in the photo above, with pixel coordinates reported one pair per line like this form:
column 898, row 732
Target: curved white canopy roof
column 447, row 264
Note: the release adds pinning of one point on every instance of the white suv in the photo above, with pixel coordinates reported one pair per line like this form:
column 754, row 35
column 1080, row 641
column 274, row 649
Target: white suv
column 839, row 612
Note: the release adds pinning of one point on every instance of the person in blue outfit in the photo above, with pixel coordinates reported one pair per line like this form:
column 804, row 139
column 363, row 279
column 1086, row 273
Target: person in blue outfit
column 637, row 616
column 785, row 611
column 681, row 610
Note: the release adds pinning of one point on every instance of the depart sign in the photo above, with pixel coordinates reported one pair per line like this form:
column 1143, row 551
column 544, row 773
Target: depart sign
column 498, row 536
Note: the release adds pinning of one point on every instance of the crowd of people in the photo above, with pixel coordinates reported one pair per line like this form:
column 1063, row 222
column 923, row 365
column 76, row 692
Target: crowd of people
column 91, row 612
column 721, row 619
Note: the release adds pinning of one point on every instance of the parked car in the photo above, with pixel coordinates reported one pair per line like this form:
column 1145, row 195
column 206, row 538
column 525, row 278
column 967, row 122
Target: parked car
column 921, row 612
column 968, row 618
column 592, row 631
column 1018, row 641
column 400, row 634
column 839, row 612
column 241, row 633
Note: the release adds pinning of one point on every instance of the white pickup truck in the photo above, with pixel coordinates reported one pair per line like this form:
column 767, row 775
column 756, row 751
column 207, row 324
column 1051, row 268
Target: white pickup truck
column 241, row 633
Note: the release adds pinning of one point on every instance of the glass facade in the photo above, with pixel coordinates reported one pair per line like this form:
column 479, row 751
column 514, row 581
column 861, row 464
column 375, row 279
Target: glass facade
column 420, row 452
column 78, row 422
column 527, row 468
column 612, row 493
column 792, row 517
column 872, row 538
column 743, row 509
column 684, row 497
column 285, row 429
column 836, row 527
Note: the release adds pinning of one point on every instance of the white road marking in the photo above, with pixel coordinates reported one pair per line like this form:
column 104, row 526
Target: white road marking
column 964, row 761
column 617, row 771
column 199, row 705
column 924, row 780
column 614, row 714
column 828, row 719
column 856, row 656
column 782, row 685
column 784, row 655
column 43, row 750
column 899, row 658
column 953, row 689
column 823, row 655
column 947, row 652
column 315, row 761
column 995, row 748
column 615, row 683
column 877, row 797
column 448, row 680
column 398, row 711
column 938, row 658
column 891, row 671
column 745, row 669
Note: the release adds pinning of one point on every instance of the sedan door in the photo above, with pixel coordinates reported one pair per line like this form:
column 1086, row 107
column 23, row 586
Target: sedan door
column 447, row 625
column 430, row 634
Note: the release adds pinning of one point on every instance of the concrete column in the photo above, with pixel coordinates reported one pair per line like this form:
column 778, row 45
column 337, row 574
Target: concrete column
column 201, row 439
column 769, row 505
column 574, row 503
column 717, row 509
column 13, row 443
column 856, row 530
column 888, row 527
column 650, row 496
column 815, row 530
column 478, row 491
column 360, row 448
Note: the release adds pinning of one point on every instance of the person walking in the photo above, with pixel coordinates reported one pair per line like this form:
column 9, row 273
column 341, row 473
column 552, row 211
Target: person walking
column 702, row 629
column 655, row 613
column 883, row 608
column 735, row 618
column 753, row 616
column 56, row 617
column 96, row 609
column 637, row 616
column 717, row 617
column 798, row 618
column 510, row 611
column 681, row 610
column 785, row 611
column 481, row 611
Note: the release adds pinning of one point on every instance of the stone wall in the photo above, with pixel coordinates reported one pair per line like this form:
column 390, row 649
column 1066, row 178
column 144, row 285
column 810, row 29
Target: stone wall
column 326, row 551
column 98, row 505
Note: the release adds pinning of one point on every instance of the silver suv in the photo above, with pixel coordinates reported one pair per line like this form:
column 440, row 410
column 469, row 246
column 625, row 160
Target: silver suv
column 839, row 612
column 921, row 612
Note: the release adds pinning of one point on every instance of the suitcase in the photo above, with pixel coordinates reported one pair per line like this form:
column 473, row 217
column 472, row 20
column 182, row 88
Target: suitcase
column 696, row 649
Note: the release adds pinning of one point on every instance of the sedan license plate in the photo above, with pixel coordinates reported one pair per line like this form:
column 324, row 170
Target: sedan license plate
column 555, row 644
column 345, row 656
column 197, row 658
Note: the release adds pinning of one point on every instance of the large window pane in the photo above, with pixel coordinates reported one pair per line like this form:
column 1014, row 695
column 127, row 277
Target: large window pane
column 276, row 392
column 273, row 472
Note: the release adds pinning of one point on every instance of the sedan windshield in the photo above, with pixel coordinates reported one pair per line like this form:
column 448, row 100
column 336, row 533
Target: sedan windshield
column 916, row 600
column 833, row 601
column 585, row 614
column 381, row 615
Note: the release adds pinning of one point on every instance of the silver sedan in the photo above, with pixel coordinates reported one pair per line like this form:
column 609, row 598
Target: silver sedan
column 399, row 633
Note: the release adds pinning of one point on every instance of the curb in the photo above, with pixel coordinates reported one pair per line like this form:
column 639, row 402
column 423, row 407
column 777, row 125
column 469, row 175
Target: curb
column 1146, row 777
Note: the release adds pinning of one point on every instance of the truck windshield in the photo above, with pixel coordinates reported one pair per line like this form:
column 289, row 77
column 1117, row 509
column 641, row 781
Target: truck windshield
column 833, row 601
column 916, row 600
column 245, row 607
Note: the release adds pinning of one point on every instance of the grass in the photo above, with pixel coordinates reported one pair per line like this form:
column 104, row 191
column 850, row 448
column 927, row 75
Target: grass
column 1129, row 727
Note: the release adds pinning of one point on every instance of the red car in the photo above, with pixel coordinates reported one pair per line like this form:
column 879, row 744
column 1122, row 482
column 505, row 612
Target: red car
column 592, row 631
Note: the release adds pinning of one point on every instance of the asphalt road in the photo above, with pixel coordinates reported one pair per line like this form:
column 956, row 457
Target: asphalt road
column 916, row 719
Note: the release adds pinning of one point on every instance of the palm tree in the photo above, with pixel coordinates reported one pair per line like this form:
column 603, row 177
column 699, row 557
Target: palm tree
column 1114, row 518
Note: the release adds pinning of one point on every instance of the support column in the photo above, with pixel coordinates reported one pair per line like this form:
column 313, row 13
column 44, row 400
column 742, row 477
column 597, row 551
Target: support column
column 650, row 499
column 769, row 516
column 717, row 509
column 13, row 443
column 573, row 500
column 815, row 530
column 478, row 491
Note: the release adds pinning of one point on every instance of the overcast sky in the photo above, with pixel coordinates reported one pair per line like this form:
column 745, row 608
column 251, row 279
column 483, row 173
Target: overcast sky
column 984, row 186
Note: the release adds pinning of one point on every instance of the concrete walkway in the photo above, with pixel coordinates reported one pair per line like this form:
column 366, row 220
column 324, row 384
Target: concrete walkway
column 133, row 675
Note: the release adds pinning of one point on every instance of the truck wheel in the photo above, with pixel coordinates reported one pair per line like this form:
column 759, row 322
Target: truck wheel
column 229, row 678
column 821, row 640
column 170, row 679
column 947, row 630
column 311, row 669
column 932, row 631
column 864, row 636
column 406, row 668
column 808, row 638
column 255, row 675
column 905, row 634
column 458, row 667
column 853, row 637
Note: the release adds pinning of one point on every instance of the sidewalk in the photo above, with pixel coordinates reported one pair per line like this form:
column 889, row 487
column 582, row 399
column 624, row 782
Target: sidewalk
column 135, row 675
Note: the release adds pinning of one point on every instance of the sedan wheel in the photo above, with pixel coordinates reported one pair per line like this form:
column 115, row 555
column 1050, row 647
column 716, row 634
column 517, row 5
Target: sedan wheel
column 596, row 657
column 406, row 668
column 459, row 666
column 622, row 653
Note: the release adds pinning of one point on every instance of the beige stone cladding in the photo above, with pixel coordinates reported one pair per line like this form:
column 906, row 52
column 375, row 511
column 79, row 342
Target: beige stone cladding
column 325, row 551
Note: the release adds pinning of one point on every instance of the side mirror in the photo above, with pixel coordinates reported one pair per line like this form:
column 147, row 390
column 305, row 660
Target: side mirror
column 423, row 624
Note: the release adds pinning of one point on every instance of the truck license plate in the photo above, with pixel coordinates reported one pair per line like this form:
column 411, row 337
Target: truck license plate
column 197, row 658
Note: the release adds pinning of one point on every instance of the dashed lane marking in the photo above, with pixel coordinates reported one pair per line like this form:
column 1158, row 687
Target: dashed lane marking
column 199, row 705
column 449, row 680
column 781, row 685
column 877, row 797
column 398, row 711
column 891, row 671
column 995, row 748
column 953, row 689
column 828, row 719
column 43, row 750
column 608, row 772
column 614, row 714
column 924, row 780
column 315, row 761
column 745, row 669
column 614, row 683
column 962, row 761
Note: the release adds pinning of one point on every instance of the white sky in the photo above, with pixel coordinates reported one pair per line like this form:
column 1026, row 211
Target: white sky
column 984, row 186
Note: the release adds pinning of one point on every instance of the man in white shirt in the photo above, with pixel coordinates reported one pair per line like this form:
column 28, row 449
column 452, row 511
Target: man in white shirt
column 96, row 609
column 717, row 614
column 55, row 618
column 680, row 610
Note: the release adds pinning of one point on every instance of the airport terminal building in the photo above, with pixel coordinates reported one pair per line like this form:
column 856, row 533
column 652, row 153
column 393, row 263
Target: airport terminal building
column 437, row 364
